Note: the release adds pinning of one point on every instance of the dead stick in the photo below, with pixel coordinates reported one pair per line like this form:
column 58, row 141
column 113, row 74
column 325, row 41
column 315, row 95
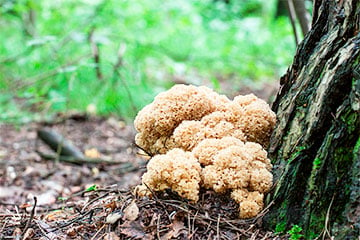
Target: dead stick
column 31, row 217
column 58, row 143
column 80, row 161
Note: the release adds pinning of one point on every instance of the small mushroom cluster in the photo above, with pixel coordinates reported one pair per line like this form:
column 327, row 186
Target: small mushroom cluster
column 199, row 138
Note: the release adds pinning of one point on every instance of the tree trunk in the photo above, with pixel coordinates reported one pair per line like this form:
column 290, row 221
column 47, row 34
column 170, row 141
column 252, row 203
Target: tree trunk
column 315, row 147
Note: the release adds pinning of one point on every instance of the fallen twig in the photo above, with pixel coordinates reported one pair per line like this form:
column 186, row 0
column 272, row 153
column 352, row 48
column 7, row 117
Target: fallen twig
column 98, row 231
column 218, row 228
column 94, row 200
column 254, row 235
column 327, row 219
column 31, row 217
column 55, row 141
column 81, row 161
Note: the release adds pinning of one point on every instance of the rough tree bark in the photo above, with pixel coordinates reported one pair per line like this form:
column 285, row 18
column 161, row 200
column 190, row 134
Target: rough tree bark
column 315, row 147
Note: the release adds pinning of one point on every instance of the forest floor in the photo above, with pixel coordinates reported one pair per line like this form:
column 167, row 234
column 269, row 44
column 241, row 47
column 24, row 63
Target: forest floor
column 44, row 198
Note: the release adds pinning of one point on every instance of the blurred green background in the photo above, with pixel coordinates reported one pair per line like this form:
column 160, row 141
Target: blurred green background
column 111, row 57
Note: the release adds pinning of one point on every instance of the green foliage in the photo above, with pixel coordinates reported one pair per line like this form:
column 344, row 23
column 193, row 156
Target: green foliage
column 47, row 60
column 295, row 232
column 344, row 157
column 316, row 163
column 62, row 198
column 91, row 188
column 350, row 119
column 280, row 227
column 282, row 219
column 357, row 146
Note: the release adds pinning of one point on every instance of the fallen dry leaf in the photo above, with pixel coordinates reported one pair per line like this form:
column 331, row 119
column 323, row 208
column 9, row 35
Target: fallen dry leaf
column 56, row 215
column 72, row 232
column 111, row 236
column 28, row 234
column 177, row 227
column 132, row 211
column 113, row 217
column 17, row 233
column 111, row 205
column 25, row 205
column 50, row 232
column 133, row 230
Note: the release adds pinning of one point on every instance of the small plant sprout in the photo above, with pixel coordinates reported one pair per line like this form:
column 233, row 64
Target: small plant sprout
column 295, row 232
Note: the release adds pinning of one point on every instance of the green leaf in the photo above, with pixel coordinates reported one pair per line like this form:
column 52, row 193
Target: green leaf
column 91, row 188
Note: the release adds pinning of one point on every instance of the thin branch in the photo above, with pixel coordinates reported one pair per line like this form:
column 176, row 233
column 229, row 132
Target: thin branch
column 29, row 21
column 31, row 217
column 292, row 16
column 94, row 200
column 302, row 15
column 254, row 235
column 98, row 231
column 117, row 74
column 95, row 53
column 45, row 75
column 218, row 228
column 43, row 231
column 327, row 219
column 81, row 217
column 158, row 228
column 142, row 149
column 126, row 87
column 15, row 57
column 120, row 56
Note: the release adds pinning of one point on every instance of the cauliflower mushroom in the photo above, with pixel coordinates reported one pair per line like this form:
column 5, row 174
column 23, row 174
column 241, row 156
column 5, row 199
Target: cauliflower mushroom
column 176, row 170
column 206, row 140
column 169, row 109
column 206, row 149
column 251, row 203
column 237, row 166
column 242, row 168
column 257, row 120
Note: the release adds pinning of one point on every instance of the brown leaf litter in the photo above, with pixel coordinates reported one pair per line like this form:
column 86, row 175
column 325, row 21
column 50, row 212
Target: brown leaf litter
column 166, row 216
column 42, row 199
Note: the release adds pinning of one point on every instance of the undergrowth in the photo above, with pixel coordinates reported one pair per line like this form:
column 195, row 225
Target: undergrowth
column 48, row 59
